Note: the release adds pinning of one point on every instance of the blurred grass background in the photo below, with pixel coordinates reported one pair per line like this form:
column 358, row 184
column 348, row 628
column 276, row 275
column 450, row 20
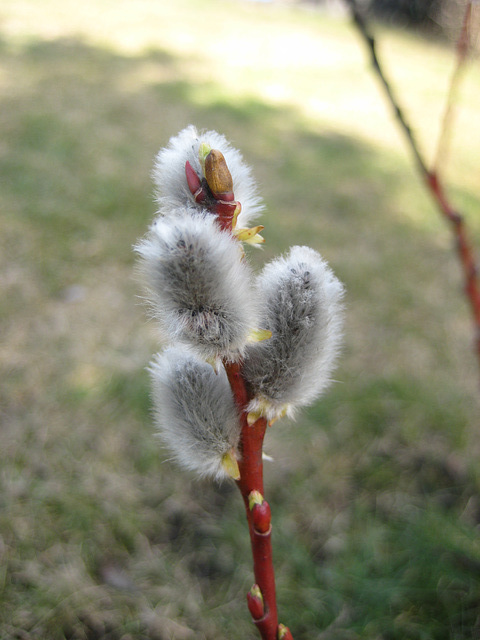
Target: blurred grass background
column 375, row 489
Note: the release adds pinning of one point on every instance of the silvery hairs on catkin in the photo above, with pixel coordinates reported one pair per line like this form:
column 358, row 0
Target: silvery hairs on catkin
column 302, row 307
column 169, row 173
column 199, row 287
column 195, row 411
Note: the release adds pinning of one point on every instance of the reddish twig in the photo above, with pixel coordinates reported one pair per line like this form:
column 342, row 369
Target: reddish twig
column 470, row 269
column 430, row 177
column 215, row 192
column 258, row 516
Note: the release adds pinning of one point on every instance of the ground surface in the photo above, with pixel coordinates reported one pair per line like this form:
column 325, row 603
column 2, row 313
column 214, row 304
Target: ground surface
column 375, row 489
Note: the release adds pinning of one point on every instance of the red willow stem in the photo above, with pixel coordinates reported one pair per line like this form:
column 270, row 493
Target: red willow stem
column 251, row 479
column 465, row 253
column 431, row 178
column 216, row 194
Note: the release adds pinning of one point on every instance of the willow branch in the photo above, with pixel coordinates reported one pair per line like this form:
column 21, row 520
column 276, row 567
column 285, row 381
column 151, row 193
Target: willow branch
column 361, row 24
column 430, row 177
column 218, row 197
column 262, row 602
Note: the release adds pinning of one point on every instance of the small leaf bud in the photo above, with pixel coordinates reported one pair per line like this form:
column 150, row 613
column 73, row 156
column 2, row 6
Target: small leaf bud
column 254, row 497
column 255, row 602
column 262, row 517
column 284, row 633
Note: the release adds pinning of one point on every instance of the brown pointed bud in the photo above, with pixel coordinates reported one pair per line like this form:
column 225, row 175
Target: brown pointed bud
column 284, row 633
column 255, row 602
column 218, row 176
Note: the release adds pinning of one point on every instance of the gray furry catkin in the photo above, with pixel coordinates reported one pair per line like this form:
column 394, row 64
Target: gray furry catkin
column 301, row 302
column 211, row 311
column 198, row 286
column 195, row 412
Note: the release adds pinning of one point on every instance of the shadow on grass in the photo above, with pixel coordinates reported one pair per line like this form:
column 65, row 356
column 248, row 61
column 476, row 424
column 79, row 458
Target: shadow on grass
column 82, row 125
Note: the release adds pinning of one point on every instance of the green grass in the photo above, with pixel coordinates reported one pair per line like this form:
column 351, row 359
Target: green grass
column 375, row 489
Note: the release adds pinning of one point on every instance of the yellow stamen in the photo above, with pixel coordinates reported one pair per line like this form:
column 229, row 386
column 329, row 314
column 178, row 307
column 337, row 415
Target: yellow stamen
column 257, row 335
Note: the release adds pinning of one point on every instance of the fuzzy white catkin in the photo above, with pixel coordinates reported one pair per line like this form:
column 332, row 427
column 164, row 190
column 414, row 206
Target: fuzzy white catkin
column 195, row 411
column 169, row 173
column 302, row 301
column 198, row 286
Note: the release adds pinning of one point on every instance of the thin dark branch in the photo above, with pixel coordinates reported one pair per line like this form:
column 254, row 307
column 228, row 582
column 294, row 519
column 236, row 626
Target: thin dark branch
column 430, row 177
column 361, row 24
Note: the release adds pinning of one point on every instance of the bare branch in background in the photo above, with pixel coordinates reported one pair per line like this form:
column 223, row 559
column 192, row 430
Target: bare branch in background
column 431, row 177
